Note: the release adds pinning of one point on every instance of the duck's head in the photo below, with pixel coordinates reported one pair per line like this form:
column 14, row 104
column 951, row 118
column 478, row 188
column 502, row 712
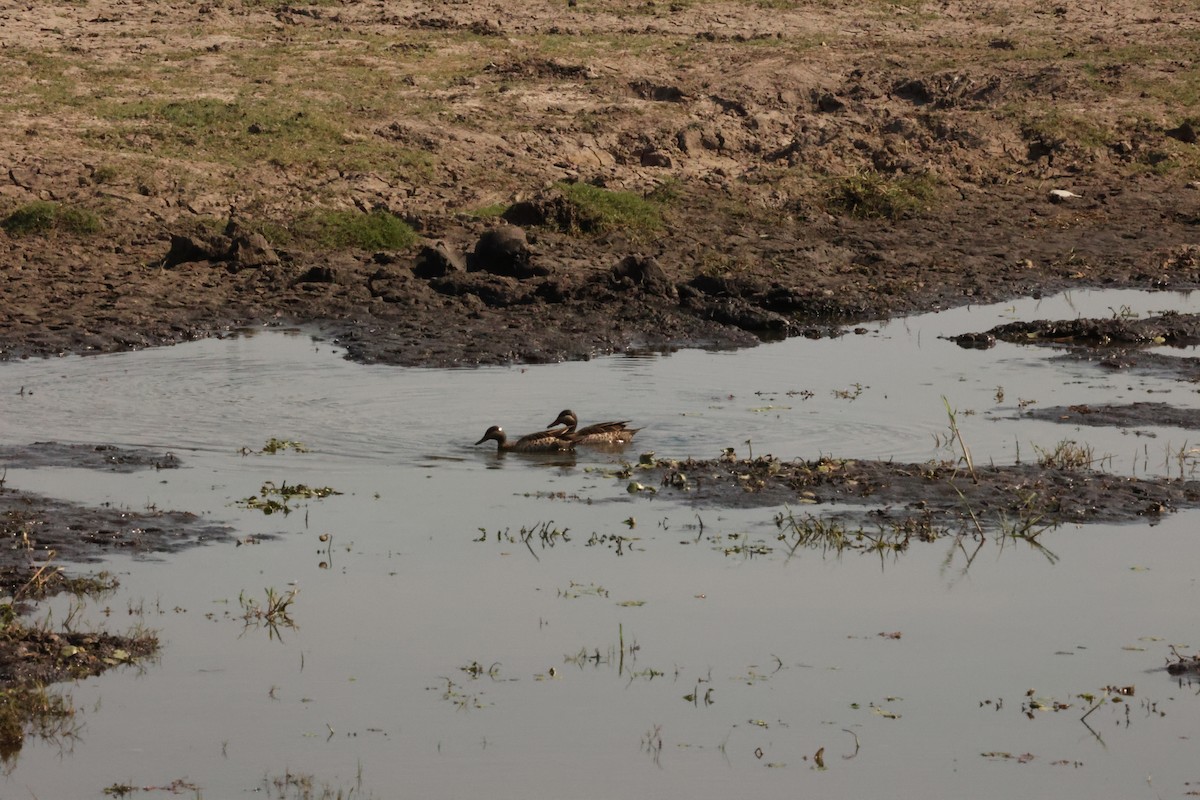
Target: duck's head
column 495, row 433
column 565, row 417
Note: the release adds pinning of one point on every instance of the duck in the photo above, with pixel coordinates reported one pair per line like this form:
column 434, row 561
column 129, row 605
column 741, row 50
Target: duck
column 601, row 433
column 548, row 441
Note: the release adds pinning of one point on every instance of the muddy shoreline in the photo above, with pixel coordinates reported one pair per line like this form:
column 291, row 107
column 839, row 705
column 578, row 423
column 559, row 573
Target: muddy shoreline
column 783, row 170
column 45, row 539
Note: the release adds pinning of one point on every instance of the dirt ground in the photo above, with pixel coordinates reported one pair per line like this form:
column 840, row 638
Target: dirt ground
column 790, row 166
column 814, row 162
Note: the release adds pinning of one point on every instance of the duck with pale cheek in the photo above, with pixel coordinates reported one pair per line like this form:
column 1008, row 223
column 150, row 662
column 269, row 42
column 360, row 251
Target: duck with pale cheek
column 549, row 441
column 600, row 433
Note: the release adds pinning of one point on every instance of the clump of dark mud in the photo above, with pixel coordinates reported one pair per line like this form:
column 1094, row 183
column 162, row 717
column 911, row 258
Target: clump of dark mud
column 1119, row 416
column 1138, row 362
column 86, row 456
column 1177, row 330
column 1182, row 664
column 992, row 495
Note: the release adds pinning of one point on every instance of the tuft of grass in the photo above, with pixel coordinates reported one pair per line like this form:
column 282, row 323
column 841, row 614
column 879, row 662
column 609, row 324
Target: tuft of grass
column 599, row 210
column 489, row 211
column 871, row 195
column 377, row 230
column 42, row 217
column 1063, row 129
column 1067, row 454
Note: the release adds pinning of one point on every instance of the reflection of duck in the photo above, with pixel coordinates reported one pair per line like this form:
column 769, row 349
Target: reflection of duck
column 540, row 442
column 600, row 433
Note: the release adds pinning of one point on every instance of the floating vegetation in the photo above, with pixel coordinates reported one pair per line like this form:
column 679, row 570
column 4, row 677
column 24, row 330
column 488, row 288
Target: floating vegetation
column 575, row 590
column 740, row 545
column 177, row 786
column 547, row 535
column 301, row 786
column 274, row 446
column 273, row 499
column 477, row 670
column 853, row 393
column 698, row 698
column 832, row 535
column 652, row 744
column 274, row 614
column 456, row 695
column 616, row 654
column 613, row 541
column 543, row 532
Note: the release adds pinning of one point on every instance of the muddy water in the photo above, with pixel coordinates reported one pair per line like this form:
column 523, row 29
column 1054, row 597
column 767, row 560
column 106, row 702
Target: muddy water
column 741, row 666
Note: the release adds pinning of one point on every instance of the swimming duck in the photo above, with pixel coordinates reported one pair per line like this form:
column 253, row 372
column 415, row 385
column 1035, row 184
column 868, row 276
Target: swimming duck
column 601, row 433
column 548, row 441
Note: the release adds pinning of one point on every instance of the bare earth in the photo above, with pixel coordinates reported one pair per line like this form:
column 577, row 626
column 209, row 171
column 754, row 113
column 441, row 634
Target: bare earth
column 744, row 122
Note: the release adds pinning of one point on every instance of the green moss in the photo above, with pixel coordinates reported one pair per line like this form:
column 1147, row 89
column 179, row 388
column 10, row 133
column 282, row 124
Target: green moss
column 42, row 217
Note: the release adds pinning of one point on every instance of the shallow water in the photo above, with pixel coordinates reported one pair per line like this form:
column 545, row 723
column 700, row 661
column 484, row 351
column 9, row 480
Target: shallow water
column 357, row 695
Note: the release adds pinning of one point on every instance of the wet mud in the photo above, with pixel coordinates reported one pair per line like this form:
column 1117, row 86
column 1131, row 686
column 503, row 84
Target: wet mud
column 1139, row 362
column 42, row 535
column 1171, row 329
column 951, row 494
column 1131, row 415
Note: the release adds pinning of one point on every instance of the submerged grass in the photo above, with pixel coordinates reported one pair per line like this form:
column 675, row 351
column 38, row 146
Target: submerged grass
column 32, row 710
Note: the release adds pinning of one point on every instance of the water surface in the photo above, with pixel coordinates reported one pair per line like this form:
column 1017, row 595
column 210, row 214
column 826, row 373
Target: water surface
column 369, row 690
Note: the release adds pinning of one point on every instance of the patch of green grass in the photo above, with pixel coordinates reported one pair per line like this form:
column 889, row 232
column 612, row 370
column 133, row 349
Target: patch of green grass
column 489, row 211
column 871, row 195
column 1072, row 129
column 598, row 210
column 377, row 230
column 300, row 134
column 1067, row 455
column 42, row 217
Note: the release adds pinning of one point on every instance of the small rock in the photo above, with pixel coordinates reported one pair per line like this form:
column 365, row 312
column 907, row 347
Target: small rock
column 21, row 177
column 504, row 251
column 438, row 260
column 1185, row 133
column 975, row 341
column 253, row 250
column 644, row 273
column 829, row 104
column 655, row 158
column 190, row 248
column 319, row 275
